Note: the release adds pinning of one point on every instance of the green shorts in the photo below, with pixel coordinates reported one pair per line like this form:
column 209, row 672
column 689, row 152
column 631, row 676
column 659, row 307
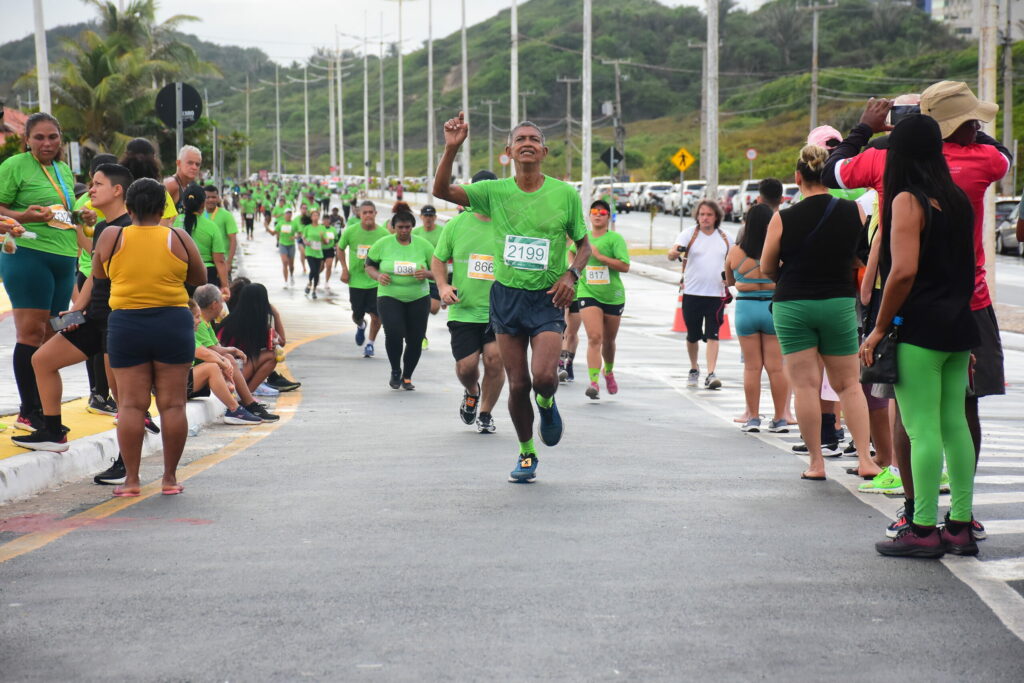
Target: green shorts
column 830, row 325
column 38, row 279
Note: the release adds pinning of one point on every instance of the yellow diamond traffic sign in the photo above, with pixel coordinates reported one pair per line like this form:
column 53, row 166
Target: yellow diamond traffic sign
column 682, row 159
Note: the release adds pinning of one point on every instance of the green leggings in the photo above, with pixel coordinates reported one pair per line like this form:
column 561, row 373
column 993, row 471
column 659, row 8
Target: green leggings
column 930, row 393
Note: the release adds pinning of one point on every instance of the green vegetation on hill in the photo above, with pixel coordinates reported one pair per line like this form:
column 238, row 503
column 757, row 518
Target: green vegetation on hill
column 868, row 47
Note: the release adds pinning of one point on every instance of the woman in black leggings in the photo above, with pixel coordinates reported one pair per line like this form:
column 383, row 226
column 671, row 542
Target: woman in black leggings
column 400, row 263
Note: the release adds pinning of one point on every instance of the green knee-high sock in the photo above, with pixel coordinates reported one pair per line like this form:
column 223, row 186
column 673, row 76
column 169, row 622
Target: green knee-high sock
column 594, row 373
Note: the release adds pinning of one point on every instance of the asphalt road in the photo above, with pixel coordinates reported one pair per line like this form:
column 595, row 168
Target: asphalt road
column 373, row 536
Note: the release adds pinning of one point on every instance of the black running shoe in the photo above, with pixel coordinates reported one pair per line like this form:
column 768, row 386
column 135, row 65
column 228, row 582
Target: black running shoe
column 260, row 411
column 150, row 425
column 469, row 406
column 485, row 423
column 282, row 383
column 396, row 381
column 43, row 440
column 408, row 385
column 100, row 405
column 115, row 474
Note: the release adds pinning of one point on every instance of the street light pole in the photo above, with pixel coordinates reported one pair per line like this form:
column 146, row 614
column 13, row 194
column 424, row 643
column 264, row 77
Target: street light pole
column 341, row 112
column 279, row 166
column 514, row 67
column 330, row 114
column 380, row 73
column 711, row 189
column 987, row 57
column 490, row 132
column 524, row 94
column 587, row 122
column 248, row 92
column 815, row 9
column 568, row 124
column 366, row 109
column 465, row 92
column 430, row 88
column 42, row 61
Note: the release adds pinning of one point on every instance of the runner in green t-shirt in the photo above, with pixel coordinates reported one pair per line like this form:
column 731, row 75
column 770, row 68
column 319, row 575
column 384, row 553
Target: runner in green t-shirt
column 362, row 291
column 205, row 233
column 430, row 232
column 313, row 237
column 601, row 296
column 331, row 235
column 285, row 229
column 466, row 242
column 400, row 264
column 224, row 220
column 531, row 215
column 248, row 205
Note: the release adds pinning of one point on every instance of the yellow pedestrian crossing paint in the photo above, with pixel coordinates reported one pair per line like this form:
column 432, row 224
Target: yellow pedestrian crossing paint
column 286, row 406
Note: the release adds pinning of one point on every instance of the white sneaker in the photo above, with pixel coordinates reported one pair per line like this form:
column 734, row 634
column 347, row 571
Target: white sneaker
column 265, row 389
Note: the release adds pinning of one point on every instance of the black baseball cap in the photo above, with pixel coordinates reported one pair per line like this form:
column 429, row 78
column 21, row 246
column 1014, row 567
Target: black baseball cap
column 428, row 210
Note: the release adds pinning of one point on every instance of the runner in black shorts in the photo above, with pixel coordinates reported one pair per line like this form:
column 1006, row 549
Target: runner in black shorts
column 467, row 242
column 531, row 214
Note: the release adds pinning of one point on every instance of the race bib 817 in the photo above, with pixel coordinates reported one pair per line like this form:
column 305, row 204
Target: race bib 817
column 598, row 275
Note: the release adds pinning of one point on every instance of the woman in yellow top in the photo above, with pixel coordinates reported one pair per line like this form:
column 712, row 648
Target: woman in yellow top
column 37, row 190
column 150, row 339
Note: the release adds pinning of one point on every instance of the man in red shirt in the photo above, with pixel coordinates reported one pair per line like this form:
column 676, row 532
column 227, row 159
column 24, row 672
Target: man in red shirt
column 975, row 161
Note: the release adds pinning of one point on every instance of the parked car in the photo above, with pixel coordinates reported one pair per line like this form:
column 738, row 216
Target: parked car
column 726, row 194
column 745, row 198
column 656, row 193
column 1006, row 226
column 638, row 196
column 693, row 191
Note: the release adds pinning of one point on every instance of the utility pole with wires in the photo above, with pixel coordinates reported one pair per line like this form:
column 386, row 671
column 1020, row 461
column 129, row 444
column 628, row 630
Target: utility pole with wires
column 815, row 9
column 330, row 116
column 366, row 110
column 248, row 143
column 620, row 129
column 988, row 47
column 401, row 99
column 380, row 110
column 430, row 89
column 341, row 110
column 208, row 105
column 490, row 131
column 1009, row 183
column 711, row 167
column 279, row 166
column 586, row 118
column 703, row 156
column 568, row 123
column 305, row 80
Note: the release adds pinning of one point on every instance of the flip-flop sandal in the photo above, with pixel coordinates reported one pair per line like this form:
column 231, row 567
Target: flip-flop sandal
column 173, row 490
column 119, row 492
column 804, row 476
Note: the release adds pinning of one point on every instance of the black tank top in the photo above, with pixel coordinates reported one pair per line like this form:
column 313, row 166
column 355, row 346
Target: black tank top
column 820, row 267
column 937, row 312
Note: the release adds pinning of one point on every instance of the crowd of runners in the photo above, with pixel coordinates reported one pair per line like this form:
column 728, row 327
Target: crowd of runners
column 870, row 287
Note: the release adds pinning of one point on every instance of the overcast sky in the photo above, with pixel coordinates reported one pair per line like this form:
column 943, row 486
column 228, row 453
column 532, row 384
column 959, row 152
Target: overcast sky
column 285, row 30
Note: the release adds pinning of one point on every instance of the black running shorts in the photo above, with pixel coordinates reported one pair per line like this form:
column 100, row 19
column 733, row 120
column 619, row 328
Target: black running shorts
column 469, row 338
column 524, row 312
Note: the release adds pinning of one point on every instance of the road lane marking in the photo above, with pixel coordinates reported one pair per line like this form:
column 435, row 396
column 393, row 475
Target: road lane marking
column 33, row 541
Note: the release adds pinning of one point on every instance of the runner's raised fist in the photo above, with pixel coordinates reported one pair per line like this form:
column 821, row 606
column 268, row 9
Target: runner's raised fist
column 456, row 130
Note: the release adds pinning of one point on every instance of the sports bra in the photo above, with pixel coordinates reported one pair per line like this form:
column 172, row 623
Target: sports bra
column 742, row 277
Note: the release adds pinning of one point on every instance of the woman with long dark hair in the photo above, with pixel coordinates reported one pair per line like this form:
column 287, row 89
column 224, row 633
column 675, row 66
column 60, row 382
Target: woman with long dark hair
column 140, row 158
column 251, row 326
column 928, row 265
column 754, row 325
column 207, row 236
column 36, row 190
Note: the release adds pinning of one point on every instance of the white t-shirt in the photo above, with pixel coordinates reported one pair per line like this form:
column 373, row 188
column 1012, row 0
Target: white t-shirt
column 703, row 275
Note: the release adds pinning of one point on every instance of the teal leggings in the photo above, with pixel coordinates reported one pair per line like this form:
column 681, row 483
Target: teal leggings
column 931, row 394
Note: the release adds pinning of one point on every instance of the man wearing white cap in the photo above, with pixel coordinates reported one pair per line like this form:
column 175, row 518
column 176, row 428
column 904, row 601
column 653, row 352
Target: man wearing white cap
column 976, row 160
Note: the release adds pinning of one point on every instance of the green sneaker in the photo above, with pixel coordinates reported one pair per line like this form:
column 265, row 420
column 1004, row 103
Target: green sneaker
column 884, row 482
column 426, row 344
column 944, row 482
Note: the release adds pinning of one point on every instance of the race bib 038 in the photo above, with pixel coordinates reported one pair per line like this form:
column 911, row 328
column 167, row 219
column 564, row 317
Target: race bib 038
column 405, row 268
column 526, row 253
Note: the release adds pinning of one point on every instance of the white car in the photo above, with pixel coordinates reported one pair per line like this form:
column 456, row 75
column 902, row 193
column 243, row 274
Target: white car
column 745, row 198
column 656, row 193
column 693, row 191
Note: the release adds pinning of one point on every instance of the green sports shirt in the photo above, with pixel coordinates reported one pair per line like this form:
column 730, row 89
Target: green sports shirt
column 400, row 261
column 23, row 183
column 529, row 229
column 598, row 280
column 358, row 242
column 207, row 236
column 467, row 242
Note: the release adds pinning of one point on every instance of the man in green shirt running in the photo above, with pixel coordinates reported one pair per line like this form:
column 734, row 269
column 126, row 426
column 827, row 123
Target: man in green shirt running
column 362, row 291
column 531, row 215
column 466, row 242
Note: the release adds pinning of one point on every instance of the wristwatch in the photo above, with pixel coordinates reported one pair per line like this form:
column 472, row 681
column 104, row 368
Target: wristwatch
column 575, row 273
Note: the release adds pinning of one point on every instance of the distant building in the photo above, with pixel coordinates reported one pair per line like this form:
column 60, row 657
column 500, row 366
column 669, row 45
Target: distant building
column 13, row 122
column 962, row 15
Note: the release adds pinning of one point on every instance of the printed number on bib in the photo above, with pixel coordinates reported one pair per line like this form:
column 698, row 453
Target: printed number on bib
column 362, row 250
column 405, row 268
column 61, row 218
column 526, row 253
column 598, row 275
column 481, row 267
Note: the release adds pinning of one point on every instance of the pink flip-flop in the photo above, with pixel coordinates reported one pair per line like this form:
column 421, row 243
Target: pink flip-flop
column 173, row 490
column 119, row 492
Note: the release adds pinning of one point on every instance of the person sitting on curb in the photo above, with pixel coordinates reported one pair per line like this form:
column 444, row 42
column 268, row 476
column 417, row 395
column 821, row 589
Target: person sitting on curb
column 215, row 365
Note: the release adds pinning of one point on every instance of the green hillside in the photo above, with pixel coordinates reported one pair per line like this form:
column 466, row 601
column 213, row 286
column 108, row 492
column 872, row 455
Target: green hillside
column 764, row 82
